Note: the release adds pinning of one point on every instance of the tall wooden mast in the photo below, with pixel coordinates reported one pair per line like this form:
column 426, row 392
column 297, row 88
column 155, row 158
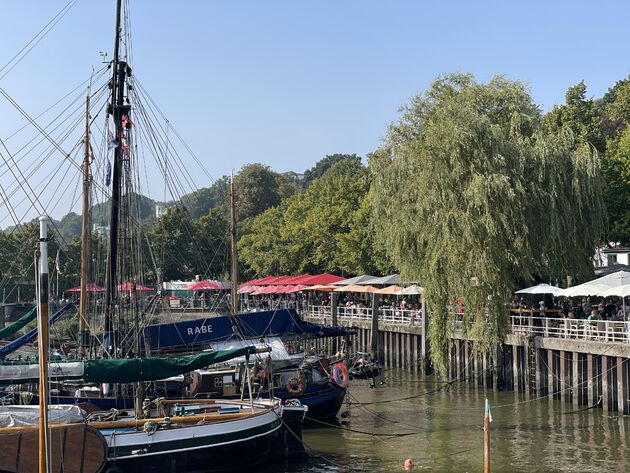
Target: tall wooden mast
column 85, row 233
column 234, row 279
column 117, row 109
column 42, row 322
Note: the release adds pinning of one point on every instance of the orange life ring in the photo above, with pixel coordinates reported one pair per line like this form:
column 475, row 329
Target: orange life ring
column 295, row 385
column 340, row 375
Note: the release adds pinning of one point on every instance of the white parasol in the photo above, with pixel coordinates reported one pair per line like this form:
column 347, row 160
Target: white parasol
column 542, row 289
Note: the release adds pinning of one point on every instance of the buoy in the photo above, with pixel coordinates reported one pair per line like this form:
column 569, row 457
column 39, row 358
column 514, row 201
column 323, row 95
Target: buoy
column 408, row 464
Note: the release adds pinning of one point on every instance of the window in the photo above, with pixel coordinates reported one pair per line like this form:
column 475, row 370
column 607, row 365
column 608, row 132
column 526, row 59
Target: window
column 611, row 259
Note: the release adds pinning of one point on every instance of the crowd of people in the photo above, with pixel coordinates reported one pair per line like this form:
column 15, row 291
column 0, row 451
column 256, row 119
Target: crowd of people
column 586, row 309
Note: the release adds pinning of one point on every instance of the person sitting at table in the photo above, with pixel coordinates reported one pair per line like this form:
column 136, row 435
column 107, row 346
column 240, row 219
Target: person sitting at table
column 600, row 308
column 609, row 309
column 615, row 316
column 594, row 315
column 570, row 315
column 586, row 306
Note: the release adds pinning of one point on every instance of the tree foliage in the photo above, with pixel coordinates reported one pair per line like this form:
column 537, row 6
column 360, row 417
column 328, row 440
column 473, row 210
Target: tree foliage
column 256, row 190
column 202, row 200
column 309, row 231
column 324, row 165
column 470, row 195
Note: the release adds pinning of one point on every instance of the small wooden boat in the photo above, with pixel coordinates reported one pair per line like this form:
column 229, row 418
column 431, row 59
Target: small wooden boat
column 363, row 367
column 75, row 448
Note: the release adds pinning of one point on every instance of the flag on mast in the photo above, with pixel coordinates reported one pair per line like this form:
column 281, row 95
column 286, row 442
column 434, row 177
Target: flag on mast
column 58, row 263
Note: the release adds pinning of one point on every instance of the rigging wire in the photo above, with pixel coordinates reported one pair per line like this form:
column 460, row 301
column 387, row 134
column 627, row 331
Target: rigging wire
column 36, row 39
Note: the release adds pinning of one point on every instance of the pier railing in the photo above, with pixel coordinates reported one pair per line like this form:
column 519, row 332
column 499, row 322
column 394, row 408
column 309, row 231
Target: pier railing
column 401, row 316
column 521, row 323
column 600, row 330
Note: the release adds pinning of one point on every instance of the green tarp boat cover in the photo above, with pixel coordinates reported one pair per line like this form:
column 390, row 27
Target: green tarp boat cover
column 18, row 324
column 128, row 370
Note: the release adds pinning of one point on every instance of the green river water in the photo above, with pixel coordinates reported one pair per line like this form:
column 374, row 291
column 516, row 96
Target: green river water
column 536, row 435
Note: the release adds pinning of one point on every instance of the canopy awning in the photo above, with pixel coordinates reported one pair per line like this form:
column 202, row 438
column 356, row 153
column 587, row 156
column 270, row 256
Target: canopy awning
column 623, row 290
column 363, row 279
column 204, row 286
column 90, row 288
column 322, row 287
column 597, row 286
column 355, row 288
column 129, row 287
column 246, row 289
column 392, row 290
column 385, row 280
column 542, row 289
column 412, row 290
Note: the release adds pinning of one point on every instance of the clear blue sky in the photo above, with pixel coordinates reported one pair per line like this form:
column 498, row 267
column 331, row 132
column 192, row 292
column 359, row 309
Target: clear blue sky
column 287, row 82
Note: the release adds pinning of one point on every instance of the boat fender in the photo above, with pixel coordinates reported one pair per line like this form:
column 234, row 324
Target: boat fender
column 295, row 385
column 340, row 375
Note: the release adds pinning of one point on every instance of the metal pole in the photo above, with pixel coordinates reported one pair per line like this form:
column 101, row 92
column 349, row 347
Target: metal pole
column 42, row 323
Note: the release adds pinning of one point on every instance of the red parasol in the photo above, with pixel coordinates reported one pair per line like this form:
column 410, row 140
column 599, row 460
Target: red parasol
column 90, row 288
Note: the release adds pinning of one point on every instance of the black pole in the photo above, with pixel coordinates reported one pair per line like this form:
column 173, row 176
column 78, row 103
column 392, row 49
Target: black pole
column 116, row 109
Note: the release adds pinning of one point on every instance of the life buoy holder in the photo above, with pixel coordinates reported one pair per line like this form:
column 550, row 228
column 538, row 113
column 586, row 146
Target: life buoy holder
column 340, row 375
column 295, row 385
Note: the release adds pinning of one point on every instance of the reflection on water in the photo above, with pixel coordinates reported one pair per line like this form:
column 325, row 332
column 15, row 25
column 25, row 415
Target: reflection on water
column 446, row 432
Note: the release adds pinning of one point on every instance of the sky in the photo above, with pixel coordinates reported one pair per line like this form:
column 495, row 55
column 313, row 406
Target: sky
column 285, row 83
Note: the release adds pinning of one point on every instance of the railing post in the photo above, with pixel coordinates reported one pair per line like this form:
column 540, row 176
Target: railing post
column 333, row 313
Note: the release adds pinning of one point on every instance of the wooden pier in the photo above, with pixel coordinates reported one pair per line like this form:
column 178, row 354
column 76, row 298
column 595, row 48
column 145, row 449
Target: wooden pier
column 585, row 365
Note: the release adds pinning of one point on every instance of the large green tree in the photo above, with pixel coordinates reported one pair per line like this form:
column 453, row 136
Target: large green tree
column 256, row 190
column 202, row 200
column 173, row 246
column 469, row 197
column 616, row 188
column 308, row 231
column 324, row 165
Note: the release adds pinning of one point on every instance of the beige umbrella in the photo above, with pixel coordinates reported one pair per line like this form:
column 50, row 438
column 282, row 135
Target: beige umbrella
column 412, row 290
column 355, row 288
column 393, row 290
column 321, row 287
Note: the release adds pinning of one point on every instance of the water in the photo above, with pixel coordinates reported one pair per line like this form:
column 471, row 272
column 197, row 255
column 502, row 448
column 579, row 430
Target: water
column 447, row 432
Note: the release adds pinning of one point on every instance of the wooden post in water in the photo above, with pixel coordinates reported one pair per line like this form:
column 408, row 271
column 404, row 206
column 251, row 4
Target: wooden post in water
column 42, row 322
column 487, row 418
column 374, row 348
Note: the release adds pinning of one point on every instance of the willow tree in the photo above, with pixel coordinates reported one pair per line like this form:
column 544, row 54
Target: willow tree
column 469, row 197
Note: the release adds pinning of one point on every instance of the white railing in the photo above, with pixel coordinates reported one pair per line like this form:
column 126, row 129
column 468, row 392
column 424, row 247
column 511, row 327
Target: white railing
column 403, row 316
column 521, row 324
column 599, row 330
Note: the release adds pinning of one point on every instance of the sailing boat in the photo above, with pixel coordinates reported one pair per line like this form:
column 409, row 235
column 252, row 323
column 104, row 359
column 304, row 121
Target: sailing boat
column 306, row 380
column 163, row 435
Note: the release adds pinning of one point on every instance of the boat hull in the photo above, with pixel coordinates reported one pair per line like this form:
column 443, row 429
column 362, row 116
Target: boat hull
column 217, row 447
column 323, row 402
